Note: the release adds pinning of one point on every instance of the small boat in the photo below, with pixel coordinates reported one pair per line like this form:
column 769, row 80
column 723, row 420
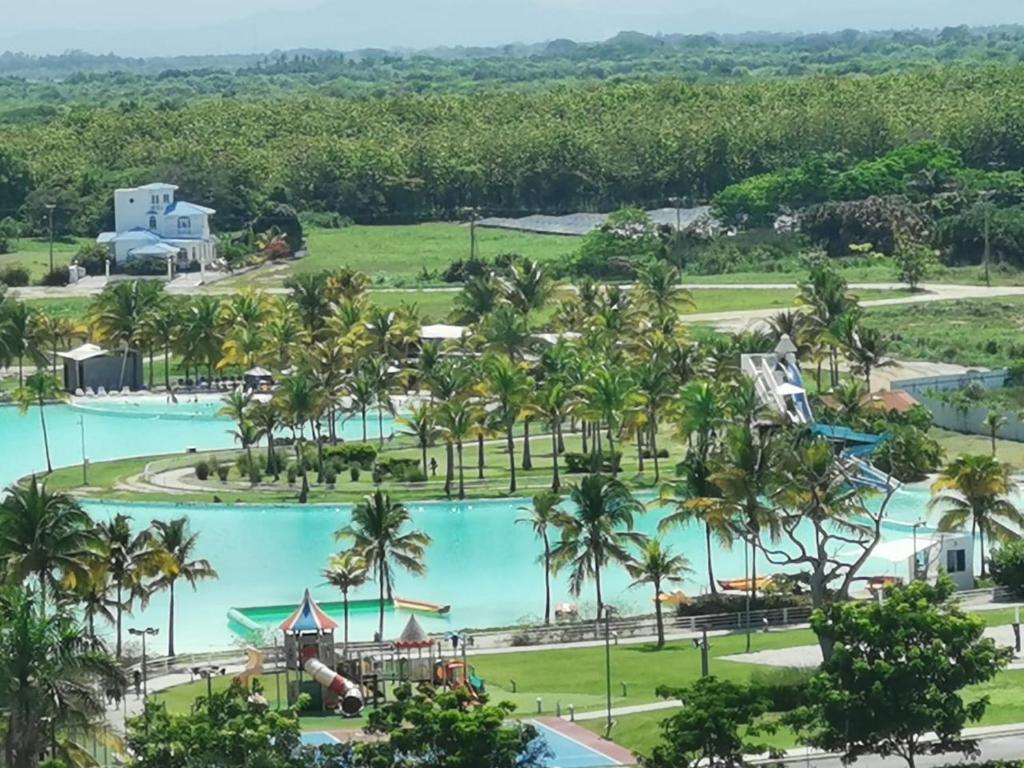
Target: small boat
column 419, row 606
column 744, row 585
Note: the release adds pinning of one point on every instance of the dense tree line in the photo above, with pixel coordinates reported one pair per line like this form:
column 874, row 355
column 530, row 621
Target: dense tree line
column 418, row 157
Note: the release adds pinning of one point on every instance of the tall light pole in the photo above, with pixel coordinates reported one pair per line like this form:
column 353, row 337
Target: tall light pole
column 144, row 633
column 49, row 210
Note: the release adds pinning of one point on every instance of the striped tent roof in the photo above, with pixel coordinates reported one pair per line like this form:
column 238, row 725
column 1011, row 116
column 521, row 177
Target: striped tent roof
column 308, row 617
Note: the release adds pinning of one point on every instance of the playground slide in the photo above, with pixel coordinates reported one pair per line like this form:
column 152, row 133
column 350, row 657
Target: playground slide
column 349, row 694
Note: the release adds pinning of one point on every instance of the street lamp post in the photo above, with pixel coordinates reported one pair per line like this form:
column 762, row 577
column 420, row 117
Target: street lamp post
column 49, row 211
column 472, row 214
column 703, row 646
column 144, row 633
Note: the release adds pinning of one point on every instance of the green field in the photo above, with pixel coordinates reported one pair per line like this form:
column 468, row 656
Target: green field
column 982, row 332
column 34, row 255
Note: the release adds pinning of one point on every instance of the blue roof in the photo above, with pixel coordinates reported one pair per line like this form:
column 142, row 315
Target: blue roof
column 136, row 234
column 835, row 432
column 181, row 208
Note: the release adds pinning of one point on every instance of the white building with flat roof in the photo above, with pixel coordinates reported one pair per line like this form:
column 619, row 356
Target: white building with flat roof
column 150, row 223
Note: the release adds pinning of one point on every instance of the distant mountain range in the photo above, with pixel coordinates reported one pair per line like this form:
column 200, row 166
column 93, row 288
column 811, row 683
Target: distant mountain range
column 118, row 26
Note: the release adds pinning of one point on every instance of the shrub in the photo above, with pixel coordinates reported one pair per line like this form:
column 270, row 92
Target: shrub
column 293, row 474
column 14, row 277
column 785, row 688
column 1007, row 567
column 202, row 470
column 330, row 476
column 397, row 468
column 223, row 471
column 58, row 276
column 582, row 463
column 151, row 266
column 361, row 454
column 353, row 472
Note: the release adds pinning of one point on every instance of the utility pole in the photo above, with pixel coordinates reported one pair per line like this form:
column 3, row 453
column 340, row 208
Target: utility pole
column 472, row 213
column 49, row 210
column 988, row 241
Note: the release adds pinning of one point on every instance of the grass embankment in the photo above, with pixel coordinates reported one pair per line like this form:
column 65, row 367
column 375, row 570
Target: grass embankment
column 954, row 444
column 105, row 477
column 641, row 732
column 34, row 255
column 975, row 332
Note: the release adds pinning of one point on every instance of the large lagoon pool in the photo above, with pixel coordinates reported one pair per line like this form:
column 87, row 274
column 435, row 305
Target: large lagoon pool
column 481, row 562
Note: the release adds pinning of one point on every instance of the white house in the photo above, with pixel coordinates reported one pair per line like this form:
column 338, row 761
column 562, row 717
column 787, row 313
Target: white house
column 151, row 223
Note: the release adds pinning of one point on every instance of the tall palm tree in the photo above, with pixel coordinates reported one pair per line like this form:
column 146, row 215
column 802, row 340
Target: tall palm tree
column 267, row 420
column 654, row 392
column 552, row 404
column 200, row 336
column 345, row 572
column 976, row 488
column 52, row 675
column 542, row 516
column 362, row 390
column 867, row 348
column 176, row 547
column 377, row 533
column 605, row 396
column 658, row 284
column 20, row 339
column 161, row 324
column 477, row 299
column 506, row 330
column 655, row 564
column 298, row 402
column 38, row 389
column 309, row 295
column 455, row 419
column 421, row 423
column 994, row 421
column 598, row 531
column 508, row 386
column 119, row 313
column 527, row 286
column 248, row 435
column 45, row 536
column 129, row 557
column 92, row 596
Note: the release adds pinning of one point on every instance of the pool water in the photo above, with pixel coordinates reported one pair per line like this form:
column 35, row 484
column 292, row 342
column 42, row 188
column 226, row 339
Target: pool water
column 480, row 562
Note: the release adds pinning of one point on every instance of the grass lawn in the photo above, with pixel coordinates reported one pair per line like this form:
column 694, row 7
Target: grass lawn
column 976, row 332
column 954, row 444
column 641, row 732
column 73, row 309
column 34, row 255
column 390, row 252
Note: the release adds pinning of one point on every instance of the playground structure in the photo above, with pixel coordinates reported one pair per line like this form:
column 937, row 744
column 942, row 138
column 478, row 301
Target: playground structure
column 779, row 384
column 309, row 649
column 360, row 677
column 253, row 667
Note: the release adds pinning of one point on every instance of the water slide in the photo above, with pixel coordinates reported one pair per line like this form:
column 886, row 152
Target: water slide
column 349, row 694
column 800, row 401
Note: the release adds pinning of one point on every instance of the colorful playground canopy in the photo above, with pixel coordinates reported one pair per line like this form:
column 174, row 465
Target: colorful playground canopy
column 308, row 617
column 413, row 636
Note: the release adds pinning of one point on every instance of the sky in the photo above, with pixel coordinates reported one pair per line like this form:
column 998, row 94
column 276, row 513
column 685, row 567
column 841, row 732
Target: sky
column 141, row 28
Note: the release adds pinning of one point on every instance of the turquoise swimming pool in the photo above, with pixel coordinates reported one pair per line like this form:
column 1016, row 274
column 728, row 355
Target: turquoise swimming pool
column 480, row 562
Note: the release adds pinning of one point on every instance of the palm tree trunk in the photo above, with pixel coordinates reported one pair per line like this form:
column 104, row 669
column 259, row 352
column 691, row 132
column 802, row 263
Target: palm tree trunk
column 271, row 458
column 654, row 449
column 423, row 450
column 611, row 455
column 597, row 587
column 753, row 572
column 480, row 456
column 547, row 579
column 711, row 568
column 150, row 350
column 511, row 461
column 462, row 475
column 252, row 468
column 300, row 459
column 120, row 617
column 981, row 547
column 344, row 644
column 380, row 618
column 363, row 412
column 167, row 366
column 556, row 481
column 658, row 618
column 640, row 450
column 527, row 457
column 583, row 433
column 449, row 469
column 170, row 623
column 380, row 425
column 46, row 438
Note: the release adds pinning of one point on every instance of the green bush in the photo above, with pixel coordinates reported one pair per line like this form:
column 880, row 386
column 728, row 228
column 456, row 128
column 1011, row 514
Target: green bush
column 14, row 277
column 785, row 688
column 59, row 276
column 202, row 470
column 361, row 454
column 583, row 463
column 397, row 468
column 353, row 472
column 293, row 473
column 1007, row 567
column 223, row 470
column 330, row 477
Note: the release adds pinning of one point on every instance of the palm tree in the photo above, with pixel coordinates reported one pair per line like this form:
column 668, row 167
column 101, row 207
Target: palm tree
column 977, row 488
column 477, row 299
column 45, row 536
column 51, row 674
column 597, row 531
column 346, row 572
column 867, row 348
column 508, row 387
column 267, row 420
column 161, row 324
column 128, row 558
column 654, row 390
column 38, row 389
column 658, row 284
column 552, row 404
column 377, row 534
column 309, row 295
column 544, row 515
column 362, row 390
column 526, row 286
column 119, row 314
column 199, row 337
column 605, row 396
column 298, row 402
column 421, row 424
column 657, row 566
column 825, row 298
column 455, row 419
column 507, row 331
column 994, row 421
column 20, row 339
column 175, row 547
column 248, row 434
column 93, row 597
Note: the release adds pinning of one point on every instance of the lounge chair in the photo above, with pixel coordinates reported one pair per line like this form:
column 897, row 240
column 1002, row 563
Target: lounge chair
column 89, row 392
column 101, row 391
column 126, row 390
column 79, row 392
